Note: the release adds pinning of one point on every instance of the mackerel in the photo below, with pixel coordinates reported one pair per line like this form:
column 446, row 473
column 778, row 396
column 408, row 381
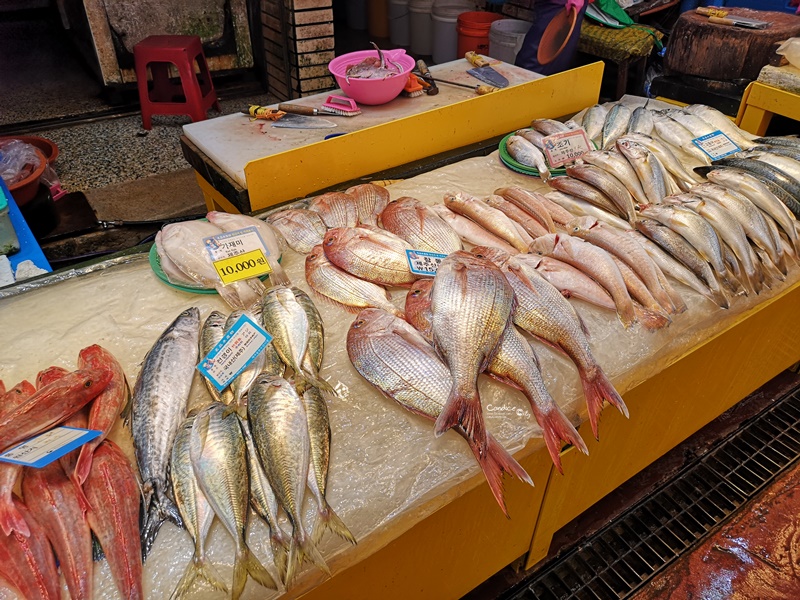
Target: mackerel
column 214, row 327
column 616, row 124
column 159, row 403
column 767, row 173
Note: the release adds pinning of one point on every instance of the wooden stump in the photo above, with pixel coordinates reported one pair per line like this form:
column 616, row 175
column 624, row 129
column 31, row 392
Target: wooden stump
column 724, row 52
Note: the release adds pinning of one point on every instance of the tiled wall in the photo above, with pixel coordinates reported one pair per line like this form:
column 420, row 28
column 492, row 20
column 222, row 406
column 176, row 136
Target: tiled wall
column 298, row 43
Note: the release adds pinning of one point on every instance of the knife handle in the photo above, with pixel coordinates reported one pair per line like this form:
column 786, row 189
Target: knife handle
column 721, row 21
column 299, row 109
column 476, row 59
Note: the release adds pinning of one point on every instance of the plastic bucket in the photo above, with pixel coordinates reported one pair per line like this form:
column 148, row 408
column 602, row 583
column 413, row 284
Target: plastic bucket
column 399, row 23
column 473, row 31
column 421, row 26
column 357, row 14
column 445, row 37
column 378, row 18
column 505, row 38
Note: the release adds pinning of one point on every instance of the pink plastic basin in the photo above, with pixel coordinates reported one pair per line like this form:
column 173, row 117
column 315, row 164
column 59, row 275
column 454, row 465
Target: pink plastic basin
column 372, row 91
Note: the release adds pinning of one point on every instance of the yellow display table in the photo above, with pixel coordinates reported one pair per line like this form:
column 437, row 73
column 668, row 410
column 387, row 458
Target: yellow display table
column 760, row 102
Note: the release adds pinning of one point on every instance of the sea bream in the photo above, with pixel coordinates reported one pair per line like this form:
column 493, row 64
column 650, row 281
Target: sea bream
column 370, row 200
column 420, row 226
column 397, row 360
column 376, row 256
column 471, row 304
column 301, row 228
column 159, row 402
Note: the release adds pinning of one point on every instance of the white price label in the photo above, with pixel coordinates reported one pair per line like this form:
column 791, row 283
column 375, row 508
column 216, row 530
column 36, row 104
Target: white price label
column 45, row 448
column 717, row 145
column 565, row 147
column 424, row 263
column 243, row 342
column 237, row 255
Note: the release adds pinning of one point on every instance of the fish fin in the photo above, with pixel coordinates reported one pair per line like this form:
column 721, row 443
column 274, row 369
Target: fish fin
column 127, row 405
column 246, row 563
column 330, row 520
column 230, row 296
column 650, row 319
column 83, row 466
column 12, row 520
column 152, row 522
column 467, row 412
column 584, row 329
column 83, row 501
column 303, row 547
column 198, row 569
column 556, row 428
column 597, row 389
column 280, row 553
column 278, row 276
column 494, row 463
column 678, row 303
column 325, row 388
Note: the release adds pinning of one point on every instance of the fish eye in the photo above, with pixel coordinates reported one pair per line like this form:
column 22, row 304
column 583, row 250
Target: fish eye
column 87, row 383
column 576, row 228
column 329, row 240
column 358, row 323
column 481, row 255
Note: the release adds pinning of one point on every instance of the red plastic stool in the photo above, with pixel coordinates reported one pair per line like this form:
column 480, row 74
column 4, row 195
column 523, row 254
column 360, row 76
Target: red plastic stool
column 197, row 90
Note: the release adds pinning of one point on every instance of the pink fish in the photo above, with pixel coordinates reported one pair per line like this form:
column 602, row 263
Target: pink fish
column 16, row 396
column 27, row 562
column 113, row 492
column 53, row 498
column 10, row 518
column 51, row 404
column 106, row 407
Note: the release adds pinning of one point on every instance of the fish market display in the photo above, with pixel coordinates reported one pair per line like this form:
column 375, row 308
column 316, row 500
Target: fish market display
column 301, row 228
column 337, row 209
column 379, row 257
column 370, row 199
column 420, row 226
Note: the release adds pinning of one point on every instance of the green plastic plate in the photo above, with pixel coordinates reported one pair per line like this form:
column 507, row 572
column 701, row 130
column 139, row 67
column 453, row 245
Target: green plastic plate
column 512, row 164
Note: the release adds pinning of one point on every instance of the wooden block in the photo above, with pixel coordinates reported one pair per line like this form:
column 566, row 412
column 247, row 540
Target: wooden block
column 306, row 17
column 723, row 52
column 317, row 30
column 308, row 59
column 315, row 45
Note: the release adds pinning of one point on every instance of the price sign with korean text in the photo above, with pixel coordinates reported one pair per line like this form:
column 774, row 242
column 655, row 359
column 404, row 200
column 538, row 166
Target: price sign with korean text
column 45, row 448
column 424, row 263
column 238, row 255
column 565, row 147
column 717, row 145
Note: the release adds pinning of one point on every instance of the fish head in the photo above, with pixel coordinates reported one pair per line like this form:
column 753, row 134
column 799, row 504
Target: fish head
column 370, row 321
column 93, row 381
column 334, row 237
column 579, row 224
column 496, row 255
column 544, row 244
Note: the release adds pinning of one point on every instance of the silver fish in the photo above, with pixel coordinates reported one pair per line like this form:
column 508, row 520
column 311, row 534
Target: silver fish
column 244, row 380
column 610, row 185
column 580, row 208
column 677, row 136
column 533, row 136
column 648, row 168
column 210, row 335
column 719, row 121
column 616, row 124
column 584, row 191
column 548, row 126
column 471, row 304
column 685, row 179
column 527, row 154
column 312, row 361
column 593, row 120
column 195, row 511
column 219, row 459
column 158, row 406
column 641, row 121
column 618, row 166
column 531, row 226
column 535, row 205
column 279, row 425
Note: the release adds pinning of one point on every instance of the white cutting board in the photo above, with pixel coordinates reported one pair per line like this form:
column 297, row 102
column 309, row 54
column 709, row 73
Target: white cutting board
column 232, row 141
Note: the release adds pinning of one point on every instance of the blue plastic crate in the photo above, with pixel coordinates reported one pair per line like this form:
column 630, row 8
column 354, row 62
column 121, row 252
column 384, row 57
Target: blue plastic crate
column 773, row 5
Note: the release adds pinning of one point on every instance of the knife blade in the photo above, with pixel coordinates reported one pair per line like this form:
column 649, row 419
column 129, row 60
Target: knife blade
column 292, row 121
column 483, row 72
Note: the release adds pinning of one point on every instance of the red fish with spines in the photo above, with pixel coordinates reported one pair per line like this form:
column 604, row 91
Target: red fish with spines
column 108, row 405
column 16, row 396
column 53, row 498
column 113, row 492
column 51, row 404
column 27, row 562
column 11, row 520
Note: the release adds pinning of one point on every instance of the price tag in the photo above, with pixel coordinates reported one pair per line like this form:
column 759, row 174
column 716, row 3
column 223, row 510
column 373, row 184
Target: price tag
column 424, row 263
column 237, row 255
column 717, row 145
column 565, row 147
column 45, row 448
column 243, row 342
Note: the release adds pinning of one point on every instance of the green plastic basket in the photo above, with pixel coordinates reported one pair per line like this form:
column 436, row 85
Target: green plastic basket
column 512, row 164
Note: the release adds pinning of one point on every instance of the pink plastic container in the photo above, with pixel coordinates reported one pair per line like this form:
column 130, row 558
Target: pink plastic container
column 372, row 91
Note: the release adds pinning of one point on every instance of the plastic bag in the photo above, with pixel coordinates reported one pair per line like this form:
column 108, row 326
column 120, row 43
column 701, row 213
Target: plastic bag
column 791, row 50
column 17, row 161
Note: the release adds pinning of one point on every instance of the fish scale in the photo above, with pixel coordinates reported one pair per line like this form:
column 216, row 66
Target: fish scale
column 418, row 225
column 370, row 255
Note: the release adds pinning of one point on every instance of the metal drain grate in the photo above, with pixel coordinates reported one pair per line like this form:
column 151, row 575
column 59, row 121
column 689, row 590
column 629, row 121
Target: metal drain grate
column 623, row 555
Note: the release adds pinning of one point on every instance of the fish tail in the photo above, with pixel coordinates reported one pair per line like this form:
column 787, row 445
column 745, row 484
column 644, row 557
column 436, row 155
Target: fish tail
column 596, row 389
column 678, row 303
column 280, row 551
column 198, row 568
column 12, row 520
column 256, row 570
column 278, row 276
column 465, row 411
column 303, row 547
column 651, row 319
column 230, row 296
column 626, row 315
column 331, row 521
column 494, row 463
column 314, row 379
column 152, row 521
column 556, row 428
column 83, row 501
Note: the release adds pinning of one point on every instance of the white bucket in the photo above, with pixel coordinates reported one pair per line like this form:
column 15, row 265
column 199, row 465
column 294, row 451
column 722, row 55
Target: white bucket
column 445, row 36
column 357, row 14
column 421, row 26
column 399, row 23
column 505, row 39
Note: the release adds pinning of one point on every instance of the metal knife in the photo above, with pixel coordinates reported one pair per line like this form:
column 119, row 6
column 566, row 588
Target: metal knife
column 483, row 72
column 292, row 121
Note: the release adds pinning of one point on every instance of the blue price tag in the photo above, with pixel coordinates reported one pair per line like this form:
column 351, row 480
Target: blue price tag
column 717, row 145
column 45, row 448
column 243, row 342
column 424, row 263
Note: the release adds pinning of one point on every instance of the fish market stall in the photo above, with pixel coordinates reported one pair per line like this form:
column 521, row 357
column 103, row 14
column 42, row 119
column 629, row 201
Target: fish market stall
column 426, row 522
column 244, row 166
